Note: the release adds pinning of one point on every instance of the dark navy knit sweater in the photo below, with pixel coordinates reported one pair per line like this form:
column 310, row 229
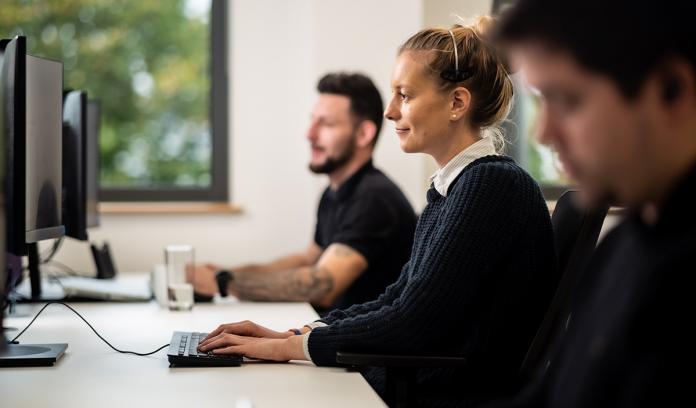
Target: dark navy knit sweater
column 480, row 277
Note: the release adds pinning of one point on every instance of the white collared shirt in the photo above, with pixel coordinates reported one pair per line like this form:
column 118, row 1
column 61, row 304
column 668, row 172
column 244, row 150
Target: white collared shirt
column 442, row 178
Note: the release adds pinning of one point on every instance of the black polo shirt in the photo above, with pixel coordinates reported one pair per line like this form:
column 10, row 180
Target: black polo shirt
column 371, row 215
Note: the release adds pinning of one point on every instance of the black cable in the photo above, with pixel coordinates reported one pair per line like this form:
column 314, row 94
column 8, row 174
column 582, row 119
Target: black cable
column 12, row 295
column 65, row 268
column 90, row 326
column 52, row 252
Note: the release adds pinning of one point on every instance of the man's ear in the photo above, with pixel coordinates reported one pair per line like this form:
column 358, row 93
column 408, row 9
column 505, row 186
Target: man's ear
column 677, row 78
column 367, row 132
column 460, row 102
column 677, row 84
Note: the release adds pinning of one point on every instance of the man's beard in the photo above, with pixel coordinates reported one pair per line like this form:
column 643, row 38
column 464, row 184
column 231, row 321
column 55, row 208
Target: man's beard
column 334, row 163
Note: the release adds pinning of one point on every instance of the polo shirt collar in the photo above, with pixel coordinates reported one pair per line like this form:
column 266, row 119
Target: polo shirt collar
column 346, row 188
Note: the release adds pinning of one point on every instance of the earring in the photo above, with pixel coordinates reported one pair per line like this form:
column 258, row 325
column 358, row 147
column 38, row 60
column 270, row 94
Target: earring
column 454, row 116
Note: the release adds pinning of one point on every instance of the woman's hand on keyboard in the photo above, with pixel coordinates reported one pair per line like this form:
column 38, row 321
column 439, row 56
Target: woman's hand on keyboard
column 255, row 347
column 249, row 329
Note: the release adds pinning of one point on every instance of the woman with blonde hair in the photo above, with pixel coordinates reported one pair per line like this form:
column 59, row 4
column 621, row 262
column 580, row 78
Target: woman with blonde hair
column 482, row 267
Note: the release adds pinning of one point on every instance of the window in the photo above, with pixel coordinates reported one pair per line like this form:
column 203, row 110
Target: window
column 159, row 72
column 539, row 160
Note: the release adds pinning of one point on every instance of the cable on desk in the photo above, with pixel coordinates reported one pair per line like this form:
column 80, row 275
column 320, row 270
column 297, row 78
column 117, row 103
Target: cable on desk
column 90, row 326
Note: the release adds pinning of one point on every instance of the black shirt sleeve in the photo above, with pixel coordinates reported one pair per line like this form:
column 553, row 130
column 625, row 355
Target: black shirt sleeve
column 366, row 226
column 320, row 211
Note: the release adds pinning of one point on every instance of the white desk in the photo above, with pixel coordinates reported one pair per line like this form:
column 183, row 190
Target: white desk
column 92, row 375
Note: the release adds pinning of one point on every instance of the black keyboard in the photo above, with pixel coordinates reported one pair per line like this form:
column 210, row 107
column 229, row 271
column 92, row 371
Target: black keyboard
column 183, row 352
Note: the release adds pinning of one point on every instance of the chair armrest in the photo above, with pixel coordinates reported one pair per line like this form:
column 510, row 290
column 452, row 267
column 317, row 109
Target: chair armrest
column 390, row 360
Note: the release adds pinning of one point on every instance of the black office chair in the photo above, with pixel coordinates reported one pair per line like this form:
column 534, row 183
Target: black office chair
column 576, row 231
column 575, row 235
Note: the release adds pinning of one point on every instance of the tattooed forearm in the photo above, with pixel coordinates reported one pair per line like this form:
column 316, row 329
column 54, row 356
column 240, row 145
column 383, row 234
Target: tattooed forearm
column 315, row 284
column 309, row 284
column 342, row 250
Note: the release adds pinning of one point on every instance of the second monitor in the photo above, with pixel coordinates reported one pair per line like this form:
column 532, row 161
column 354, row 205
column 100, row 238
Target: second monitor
column 80, row 164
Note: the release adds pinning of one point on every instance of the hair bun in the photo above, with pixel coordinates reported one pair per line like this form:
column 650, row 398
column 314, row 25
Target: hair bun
column 484, row 27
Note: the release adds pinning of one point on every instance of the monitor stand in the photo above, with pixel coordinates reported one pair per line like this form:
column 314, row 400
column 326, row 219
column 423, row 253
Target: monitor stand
column 28, row 355
column 34, row 271
column 31, row 355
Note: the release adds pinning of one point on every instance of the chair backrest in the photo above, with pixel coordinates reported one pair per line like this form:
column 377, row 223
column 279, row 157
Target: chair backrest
column 576, row 231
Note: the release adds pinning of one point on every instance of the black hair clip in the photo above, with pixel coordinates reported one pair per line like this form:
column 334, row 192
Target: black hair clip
column 455, row 75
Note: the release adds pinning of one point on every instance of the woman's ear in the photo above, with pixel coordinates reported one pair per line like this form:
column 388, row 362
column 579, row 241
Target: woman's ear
column 460, row 102
column 367, row 131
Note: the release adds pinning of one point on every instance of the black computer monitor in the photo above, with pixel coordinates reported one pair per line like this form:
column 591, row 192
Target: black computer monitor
column 31, row 90
column 75, row 147
column 81, row 122
column 31, row 106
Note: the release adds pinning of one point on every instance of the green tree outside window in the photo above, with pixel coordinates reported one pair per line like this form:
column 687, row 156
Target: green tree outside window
column 147, row 62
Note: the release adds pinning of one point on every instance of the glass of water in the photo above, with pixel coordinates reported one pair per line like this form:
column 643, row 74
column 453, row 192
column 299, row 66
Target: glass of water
column 179, row 262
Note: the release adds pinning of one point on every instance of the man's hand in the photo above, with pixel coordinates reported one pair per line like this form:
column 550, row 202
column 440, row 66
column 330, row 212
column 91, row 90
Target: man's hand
column 255, row 347
column 247, row 329
column 203, row 278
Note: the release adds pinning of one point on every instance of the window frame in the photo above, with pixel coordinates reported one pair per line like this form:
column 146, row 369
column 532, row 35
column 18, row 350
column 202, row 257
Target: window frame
column 219, row 123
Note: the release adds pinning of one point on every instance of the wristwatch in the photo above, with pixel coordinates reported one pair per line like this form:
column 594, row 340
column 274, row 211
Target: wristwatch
column 223, row 279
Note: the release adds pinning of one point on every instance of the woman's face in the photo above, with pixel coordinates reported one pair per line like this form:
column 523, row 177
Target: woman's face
column 420, row 111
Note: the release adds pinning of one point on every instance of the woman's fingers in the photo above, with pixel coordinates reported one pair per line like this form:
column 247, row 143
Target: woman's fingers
column 205, row 342
column 215, row 332
column 263, row 349
column 225, row 340
column 245, row 328
column 221, row 340
column 232, row 328
column 230, row 350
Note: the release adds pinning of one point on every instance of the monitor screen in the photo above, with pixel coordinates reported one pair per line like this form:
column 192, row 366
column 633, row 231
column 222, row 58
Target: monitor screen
column 75, row 164
column 31, row 96
column 80, row 164
column 44, row 128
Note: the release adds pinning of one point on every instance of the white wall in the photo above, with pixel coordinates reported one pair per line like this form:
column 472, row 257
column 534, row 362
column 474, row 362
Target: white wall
column 278, row 51
column 363, row 35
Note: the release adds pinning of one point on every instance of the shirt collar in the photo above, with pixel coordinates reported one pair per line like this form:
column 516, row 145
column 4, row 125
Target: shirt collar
column 442, row 178
column 346, row 188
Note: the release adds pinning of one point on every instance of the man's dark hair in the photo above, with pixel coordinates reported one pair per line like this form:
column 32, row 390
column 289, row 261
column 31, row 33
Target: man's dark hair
column 365, row 100
column 626, row 40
